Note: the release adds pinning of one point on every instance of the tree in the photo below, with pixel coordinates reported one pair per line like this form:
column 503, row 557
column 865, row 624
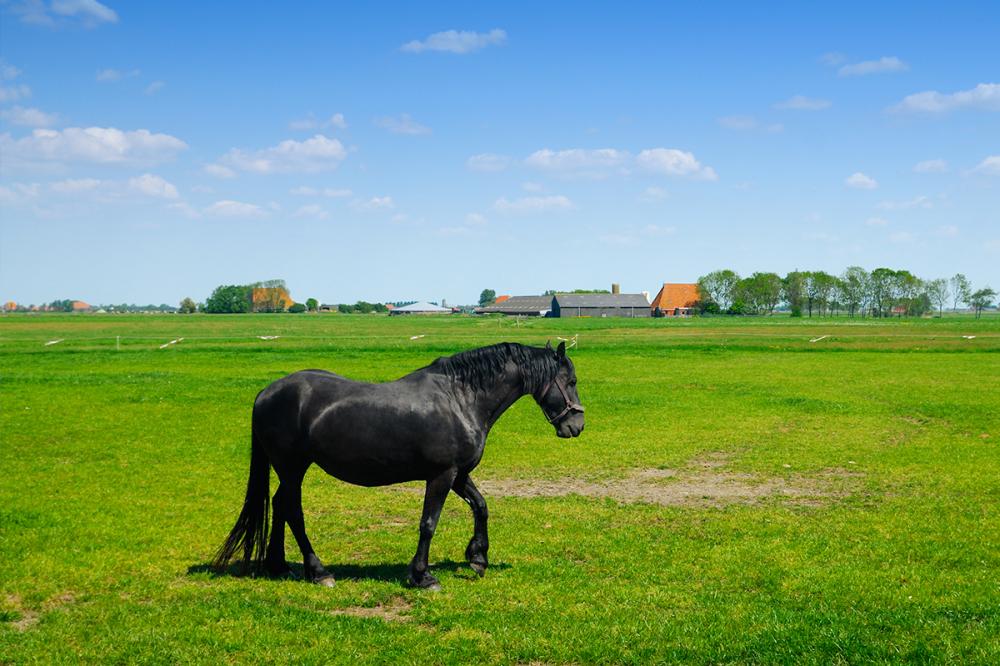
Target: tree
column 853, row 287
column 883, row 291
column 311, row 304
column 228, row 299
column 961, row 289
column 759, row 293
column 297, row 308
column 188, row 306
column 719, row 287
column 937, row 291
column 793, row 288
column 487, row 297
column 981, row 299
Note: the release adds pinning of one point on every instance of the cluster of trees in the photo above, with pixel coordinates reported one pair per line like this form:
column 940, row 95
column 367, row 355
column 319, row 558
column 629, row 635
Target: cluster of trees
column 883, row 292
column 362, row 307
column 236, row 298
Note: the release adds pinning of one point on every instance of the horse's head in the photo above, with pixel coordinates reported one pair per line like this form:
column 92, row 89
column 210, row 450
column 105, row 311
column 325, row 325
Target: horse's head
column 558, row 398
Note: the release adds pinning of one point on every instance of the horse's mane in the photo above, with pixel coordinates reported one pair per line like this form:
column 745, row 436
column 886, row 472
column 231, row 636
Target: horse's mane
column 483, row 366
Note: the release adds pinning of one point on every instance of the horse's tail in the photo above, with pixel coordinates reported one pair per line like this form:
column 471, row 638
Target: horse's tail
column 249, row 534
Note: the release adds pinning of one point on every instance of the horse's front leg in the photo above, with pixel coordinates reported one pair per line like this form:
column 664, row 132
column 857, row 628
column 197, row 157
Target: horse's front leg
column 479, row 545
column 434, row 496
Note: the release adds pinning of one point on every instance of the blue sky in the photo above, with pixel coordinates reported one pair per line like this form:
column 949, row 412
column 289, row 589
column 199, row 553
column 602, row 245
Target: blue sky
column 151, row 151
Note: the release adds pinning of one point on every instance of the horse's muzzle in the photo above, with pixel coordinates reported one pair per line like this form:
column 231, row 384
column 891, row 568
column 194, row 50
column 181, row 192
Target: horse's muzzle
column 571, row 426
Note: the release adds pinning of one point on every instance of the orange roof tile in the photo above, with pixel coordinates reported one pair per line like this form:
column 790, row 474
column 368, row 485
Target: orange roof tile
column 675, row 295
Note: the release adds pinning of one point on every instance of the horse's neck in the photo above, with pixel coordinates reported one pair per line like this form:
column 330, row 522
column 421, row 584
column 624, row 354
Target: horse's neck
column 492, row 404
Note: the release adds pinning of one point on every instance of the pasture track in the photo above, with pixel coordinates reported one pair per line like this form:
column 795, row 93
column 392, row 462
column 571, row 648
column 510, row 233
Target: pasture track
column 746, row 490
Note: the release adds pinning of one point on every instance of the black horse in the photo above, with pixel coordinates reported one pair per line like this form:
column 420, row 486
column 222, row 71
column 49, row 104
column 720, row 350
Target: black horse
column 430, row 425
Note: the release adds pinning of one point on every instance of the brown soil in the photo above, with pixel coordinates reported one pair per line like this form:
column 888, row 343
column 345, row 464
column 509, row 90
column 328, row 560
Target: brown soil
column 704, row 481
column 396, row 610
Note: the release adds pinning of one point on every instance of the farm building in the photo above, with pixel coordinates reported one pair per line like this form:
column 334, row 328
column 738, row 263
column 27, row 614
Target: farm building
column 599, row 305
column 675, row 300
column 420, row 308
column 80, row 306
column 528, row 306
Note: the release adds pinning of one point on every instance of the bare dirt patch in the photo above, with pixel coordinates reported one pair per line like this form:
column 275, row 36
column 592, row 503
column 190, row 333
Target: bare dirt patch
column 396, row 609
column 704, row 481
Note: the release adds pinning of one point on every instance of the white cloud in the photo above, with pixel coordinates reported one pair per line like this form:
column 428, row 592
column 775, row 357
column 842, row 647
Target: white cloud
column 577, row 159
column 803, row 103
column 375, row 203
column 860, row 181
column 310, row 122
column 654, row 194
column 313, row 211
column 882, row 65
column 184, row 209
column 989, row 166
column 76, row 185
column 931, row 166
column 985, row 96
column 19, row 192
column 455, row 41
column 111, row 75
column 155, row 87
column 229, row 208
column 219, row 171
column 88, row 13
column 94, row 189
column 7, row 71
column 319, row 153
column 915, row 202
column 597, row 163
column 673, row 162
column 97, row 145
column 476, row 219
column 14, row 93
column 403, row 124
column 876, row 222
column 153, row 186
column 331, row 192
column 533, row 204
column 487, row 162
column 738, row 122
column 832, row 58
column 28, row 117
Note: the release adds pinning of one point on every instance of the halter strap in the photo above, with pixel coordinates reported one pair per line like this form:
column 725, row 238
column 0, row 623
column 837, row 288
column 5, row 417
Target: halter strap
column 571, row 406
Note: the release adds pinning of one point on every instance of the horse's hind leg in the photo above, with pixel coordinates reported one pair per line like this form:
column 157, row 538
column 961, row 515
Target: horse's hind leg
column 274, row 561
column 292, row 506
column 475, row 553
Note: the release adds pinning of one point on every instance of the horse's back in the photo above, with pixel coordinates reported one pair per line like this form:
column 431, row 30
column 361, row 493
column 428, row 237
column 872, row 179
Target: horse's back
column 368, row 434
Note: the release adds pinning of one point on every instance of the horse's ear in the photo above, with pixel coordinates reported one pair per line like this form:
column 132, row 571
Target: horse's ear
column 561, row 351
column 548, row 345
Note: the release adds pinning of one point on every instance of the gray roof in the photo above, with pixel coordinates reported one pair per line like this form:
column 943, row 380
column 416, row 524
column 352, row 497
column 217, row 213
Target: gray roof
column 421, row 307
column 516, row 304
column 602, row 301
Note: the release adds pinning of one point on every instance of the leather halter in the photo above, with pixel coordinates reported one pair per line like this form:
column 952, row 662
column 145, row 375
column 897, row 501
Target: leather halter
column 571, row 406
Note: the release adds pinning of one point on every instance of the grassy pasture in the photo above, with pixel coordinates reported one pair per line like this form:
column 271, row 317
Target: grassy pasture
column 866, row 526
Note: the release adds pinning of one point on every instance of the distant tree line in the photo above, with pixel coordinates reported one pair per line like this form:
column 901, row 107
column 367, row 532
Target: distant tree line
column 883, row 292
column 238, row 298
column 362, row 307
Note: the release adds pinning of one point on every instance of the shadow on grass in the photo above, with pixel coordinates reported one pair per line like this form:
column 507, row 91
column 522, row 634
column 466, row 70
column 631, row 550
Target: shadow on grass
column 392, row 573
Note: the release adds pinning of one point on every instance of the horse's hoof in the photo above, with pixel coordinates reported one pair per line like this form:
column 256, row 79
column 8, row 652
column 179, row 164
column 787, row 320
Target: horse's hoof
column 428, row 582
column 325, row 581
column 479, row 568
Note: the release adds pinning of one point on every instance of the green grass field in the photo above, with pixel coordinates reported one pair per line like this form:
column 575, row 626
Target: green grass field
column 742, row 493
